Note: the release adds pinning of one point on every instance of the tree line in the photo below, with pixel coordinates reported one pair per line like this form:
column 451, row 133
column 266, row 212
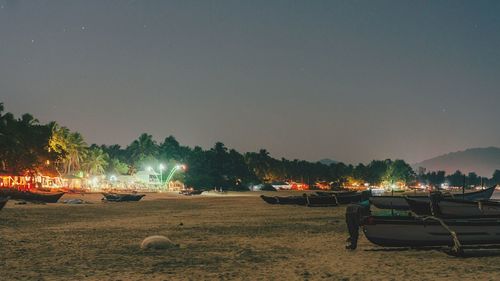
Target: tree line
column 28, row 147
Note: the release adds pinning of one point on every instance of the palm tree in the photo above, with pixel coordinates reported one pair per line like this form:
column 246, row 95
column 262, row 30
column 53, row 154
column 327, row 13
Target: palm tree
column 70, row 146
column 142, row 148
column 95, row 161
column 76, row 149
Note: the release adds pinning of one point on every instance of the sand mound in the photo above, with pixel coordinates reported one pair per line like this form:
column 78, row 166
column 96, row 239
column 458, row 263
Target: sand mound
column 157, row 242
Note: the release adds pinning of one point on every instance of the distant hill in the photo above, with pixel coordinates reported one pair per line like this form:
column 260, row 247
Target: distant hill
column 482, row 161
column 327, row 161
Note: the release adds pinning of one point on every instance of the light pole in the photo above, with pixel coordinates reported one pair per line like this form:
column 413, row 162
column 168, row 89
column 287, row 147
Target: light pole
column 161, row 168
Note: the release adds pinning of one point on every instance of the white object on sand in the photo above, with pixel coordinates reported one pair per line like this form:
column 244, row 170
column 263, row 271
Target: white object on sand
column 74, row 201
column 157, row 242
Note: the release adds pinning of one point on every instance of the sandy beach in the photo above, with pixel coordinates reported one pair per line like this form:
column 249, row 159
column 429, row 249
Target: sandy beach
column 235, row 236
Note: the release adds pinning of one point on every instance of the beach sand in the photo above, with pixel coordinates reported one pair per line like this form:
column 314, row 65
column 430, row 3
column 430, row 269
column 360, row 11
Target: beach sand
column 221, row 237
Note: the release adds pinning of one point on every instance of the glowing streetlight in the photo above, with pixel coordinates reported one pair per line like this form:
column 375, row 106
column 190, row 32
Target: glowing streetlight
column 161, row 168
column 175, row 169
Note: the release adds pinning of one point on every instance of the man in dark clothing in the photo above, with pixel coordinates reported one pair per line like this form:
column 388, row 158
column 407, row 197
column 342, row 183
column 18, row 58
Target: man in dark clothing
column 353, row 216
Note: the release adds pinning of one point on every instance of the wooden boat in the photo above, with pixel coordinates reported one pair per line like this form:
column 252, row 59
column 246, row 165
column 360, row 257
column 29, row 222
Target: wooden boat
column 284, row 200
column 122, row 197
column 317, row 201
column 455, row 208
column 336, row 193
column 33, row 196
column 320, row 201
column 269, row 199
column 191, row 192
column 3, row 201
column 399, row 202
column 406, row 231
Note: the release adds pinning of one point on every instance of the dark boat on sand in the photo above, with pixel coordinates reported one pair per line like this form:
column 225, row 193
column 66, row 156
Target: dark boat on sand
column 320, row 201
column 455, row 208
column 191, row 192
column 399, row 202
column 269, row 199
column 408, row 231
column 32, row 196
column 317, row 201
column 122, row 197
column 3, row 201
column 284, row 200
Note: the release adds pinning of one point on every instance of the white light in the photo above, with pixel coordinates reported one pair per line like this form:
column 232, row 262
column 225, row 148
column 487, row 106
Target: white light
column 161, row 167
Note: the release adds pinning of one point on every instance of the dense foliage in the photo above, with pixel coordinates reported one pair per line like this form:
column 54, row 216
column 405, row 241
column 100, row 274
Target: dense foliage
column 29, row 147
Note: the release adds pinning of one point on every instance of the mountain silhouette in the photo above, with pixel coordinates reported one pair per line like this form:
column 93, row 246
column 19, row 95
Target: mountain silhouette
column 482, row 161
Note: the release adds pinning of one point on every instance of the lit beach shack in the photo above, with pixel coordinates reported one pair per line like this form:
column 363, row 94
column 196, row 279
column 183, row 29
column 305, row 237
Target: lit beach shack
column 299, row 186
column 15, row 181
column 7, row 180
column 289, row 186
column 29, row 182
column 176, row 186
column 149, row 178
column 124, row 182
column 281, row 185
column 322, row 185
column 47, row 181
column 73, row 182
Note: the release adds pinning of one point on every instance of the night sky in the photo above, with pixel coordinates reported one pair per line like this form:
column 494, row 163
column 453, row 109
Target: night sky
column 347, row 80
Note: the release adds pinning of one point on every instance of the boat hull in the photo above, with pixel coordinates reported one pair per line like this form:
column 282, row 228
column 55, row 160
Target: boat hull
column 116, row 197
column 285, row 200
column 411, row 232
column 469, row 208
column 321, row 201
column 456, row 208
column 3, row 201
column 191, row 192
column 399, row 202
column 46, row 197
column 269, row 199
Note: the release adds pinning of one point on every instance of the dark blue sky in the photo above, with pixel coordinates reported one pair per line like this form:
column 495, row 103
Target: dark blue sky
column 348, row 80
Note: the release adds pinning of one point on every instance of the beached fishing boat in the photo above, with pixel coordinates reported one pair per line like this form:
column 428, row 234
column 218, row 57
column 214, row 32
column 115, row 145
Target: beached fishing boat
column 284, row 200
column 3, row 201
column 407, row 231
column 455, row 208
column 399, row 202
column 191, row 192
column 122, row 197
column 320, row 201
column 32, row 195
column 269, row 199
column 313, row 200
